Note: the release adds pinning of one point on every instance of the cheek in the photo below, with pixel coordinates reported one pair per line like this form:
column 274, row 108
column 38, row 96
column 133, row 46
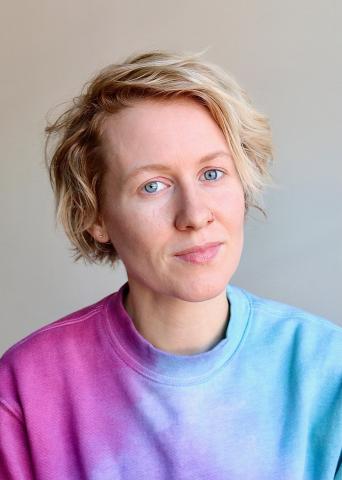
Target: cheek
column 231, row 205
column 135, row 230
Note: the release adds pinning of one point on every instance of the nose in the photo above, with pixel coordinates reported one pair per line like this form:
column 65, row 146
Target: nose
column 193, row 212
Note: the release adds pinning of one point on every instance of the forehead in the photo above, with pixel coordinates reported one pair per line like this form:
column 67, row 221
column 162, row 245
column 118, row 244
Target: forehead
column 165, row 130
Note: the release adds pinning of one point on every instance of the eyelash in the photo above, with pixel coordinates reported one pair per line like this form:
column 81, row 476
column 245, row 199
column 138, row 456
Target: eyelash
column 209, row 170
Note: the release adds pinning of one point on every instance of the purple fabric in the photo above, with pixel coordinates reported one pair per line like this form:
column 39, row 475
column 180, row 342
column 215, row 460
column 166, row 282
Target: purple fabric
column 87, row 397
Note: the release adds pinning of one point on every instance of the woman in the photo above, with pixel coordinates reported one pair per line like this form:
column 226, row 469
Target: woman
column 178, row 375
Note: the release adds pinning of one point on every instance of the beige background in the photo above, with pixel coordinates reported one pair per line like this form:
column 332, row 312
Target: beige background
column 288, row 57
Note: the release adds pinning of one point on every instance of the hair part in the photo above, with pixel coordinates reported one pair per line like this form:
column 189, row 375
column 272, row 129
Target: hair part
column 76, row 167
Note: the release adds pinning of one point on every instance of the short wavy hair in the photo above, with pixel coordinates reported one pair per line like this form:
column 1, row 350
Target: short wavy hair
column 76, row 164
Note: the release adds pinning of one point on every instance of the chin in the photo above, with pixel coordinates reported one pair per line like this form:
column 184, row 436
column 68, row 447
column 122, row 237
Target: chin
column 201, row 289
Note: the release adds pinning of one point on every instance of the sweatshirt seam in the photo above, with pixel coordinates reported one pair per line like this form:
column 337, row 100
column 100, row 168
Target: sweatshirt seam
column 130, row 361
column 3, row 403
column 9, row 409
column 64, row 323
column 297, row 315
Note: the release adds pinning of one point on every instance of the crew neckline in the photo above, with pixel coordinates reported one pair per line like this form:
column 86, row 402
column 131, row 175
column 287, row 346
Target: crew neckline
column 174, row 369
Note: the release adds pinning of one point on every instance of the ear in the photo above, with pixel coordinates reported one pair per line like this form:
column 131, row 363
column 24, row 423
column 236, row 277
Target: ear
column 98, row 231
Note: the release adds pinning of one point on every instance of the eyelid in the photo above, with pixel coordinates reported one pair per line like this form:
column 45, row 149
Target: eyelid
column 217, row 170
column 149, row 182
column 161, row 181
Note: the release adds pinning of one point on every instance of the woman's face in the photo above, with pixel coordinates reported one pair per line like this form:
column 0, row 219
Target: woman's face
column 171, row 185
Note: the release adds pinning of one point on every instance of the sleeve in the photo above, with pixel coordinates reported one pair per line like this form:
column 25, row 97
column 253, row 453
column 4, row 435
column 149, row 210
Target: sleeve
column 15, row 463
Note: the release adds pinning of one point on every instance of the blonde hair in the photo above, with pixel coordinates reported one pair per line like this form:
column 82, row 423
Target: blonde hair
column 77, row 167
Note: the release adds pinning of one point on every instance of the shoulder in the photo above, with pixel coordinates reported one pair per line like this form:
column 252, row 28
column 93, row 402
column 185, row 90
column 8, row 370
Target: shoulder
column 292, row 330
column 55, row 338
column 302, row 348
column 53, row 355
column 275, row 312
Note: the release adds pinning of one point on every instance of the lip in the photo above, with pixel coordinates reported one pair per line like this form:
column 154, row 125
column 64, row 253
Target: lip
column 199, row 253
column 198, row 248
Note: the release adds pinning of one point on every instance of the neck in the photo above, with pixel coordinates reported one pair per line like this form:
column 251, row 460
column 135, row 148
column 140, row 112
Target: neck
column 177, row 326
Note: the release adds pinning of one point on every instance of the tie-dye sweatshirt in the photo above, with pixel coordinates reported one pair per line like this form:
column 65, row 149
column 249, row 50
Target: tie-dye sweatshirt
column 87, row 397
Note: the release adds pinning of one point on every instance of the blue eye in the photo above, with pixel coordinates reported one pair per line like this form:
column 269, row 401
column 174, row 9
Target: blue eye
column 212, row 174
column 152, row 187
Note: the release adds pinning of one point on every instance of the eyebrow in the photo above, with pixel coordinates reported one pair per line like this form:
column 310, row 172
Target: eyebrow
column 165, row 168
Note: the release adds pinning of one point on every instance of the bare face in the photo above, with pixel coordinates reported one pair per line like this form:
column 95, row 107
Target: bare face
column 171, row 185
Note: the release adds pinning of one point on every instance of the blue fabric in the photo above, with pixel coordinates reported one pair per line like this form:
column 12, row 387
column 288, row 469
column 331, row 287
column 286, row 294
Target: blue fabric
column 88, row 397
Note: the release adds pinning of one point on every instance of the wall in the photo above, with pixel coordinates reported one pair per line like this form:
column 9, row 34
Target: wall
column 288, row 57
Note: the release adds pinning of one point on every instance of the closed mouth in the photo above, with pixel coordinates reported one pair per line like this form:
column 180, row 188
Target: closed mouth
column 198, row 248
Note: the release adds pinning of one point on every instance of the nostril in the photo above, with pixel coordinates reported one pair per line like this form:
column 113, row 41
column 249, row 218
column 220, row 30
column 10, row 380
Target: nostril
column 194, row 219
column 212, row 218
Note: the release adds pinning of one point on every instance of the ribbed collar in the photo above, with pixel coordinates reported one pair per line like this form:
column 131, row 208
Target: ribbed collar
column 169, row 368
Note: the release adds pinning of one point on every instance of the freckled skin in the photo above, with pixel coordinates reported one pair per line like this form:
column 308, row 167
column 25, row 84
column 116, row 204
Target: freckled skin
column 148, row 227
